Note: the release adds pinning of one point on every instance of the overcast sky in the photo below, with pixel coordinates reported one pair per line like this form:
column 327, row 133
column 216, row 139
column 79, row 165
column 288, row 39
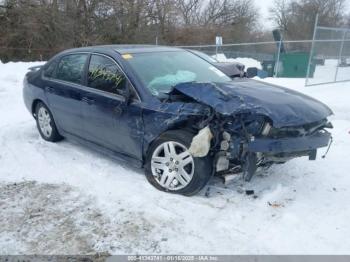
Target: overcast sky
column 263, row 6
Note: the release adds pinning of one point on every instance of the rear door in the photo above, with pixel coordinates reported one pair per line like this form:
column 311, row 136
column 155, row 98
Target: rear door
column 64, row 92
column 110, row 120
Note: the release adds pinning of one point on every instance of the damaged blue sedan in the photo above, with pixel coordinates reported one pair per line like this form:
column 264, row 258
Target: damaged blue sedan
column 173, row 113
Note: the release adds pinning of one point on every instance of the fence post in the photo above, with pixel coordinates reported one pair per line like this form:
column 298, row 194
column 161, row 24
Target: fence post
column 311, row 51
column 340, row 54
column 278, row 58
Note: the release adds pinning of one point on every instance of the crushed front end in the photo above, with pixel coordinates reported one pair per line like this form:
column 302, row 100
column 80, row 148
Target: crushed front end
column 254, row 124
column 243, row 143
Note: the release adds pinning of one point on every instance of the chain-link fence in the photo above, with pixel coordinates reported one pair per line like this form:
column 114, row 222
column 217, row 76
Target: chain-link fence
column 325, row 59
column 276, row 59
column 330, row 56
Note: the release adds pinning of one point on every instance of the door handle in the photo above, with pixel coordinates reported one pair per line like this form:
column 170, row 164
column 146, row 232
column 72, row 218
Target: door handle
column 87, row 100
column 49, row 89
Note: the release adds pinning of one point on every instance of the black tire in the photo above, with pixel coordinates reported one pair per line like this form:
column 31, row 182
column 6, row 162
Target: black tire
column 54, row 135
column 203, row 167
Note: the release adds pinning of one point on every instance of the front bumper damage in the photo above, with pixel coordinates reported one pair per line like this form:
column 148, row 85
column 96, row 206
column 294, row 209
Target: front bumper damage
column 266, row 151
column 244, row 155
column 252, row 124
column 290, row 144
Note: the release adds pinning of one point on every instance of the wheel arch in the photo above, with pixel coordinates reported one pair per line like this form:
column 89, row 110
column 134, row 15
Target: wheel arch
column 34, row 105
column 203, row 165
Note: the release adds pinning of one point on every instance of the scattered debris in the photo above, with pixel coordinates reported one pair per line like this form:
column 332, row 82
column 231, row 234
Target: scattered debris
column 229, row 178
column 240, row 190
column 275, row 204
column 207, row 192
column 249, row 192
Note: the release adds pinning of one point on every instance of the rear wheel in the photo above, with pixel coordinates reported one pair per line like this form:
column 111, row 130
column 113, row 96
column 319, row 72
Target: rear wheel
column 45, row 123
column 171, row 168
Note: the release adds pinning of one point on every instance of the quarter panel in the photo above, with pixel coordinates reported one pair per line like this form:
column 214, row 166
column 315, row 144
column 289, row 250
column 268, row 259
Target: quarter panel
column 33, row 90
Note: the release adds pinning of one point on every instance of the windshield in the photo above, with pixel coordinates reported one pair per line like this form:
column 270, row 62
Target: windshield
column 205, row 56
column 160, row 71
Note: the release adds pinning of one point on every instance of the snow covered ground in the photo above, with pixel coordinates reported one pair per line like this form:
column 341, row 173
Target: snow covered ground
column 326, row 73
column 67, row 199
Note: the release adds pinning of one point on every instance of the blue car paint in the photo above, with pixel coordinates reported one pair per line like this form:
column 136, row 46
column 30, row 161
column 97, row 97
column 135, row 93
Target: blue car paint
column 283, row 106
column 126, row 134
column 144, row 121
column 160, row 117
column 294, row 144
column 64, row 100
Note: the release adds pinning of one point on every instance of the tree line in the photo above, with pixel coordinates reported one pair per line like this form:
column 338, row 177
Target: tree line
column 297, row 18
column 34, row 29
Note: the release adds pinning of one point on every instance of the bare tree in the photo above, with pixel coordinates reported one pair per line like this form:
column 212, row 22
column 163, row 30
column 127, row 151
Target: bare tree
column 280, row 14
column 297, row 17
column 35, row 28
column 190, row 11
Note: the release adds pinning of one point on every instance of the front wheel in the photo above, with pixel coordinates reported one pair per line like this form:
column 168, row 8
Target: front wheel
column 171, row 168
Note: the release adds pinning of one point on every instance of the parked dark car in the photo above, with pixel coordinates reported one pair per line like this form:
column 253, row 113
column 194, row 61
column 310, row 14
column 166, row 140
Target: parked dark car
column 171, row 112
column 231, row 69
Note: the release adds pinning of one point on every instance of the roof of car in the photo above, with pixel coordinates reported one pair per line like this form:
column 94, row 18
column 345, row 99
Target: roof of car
column 125, row 49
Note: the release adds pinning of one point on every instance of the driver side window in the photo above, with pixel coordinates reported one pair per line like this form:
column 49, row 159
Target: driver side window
column 105, row 75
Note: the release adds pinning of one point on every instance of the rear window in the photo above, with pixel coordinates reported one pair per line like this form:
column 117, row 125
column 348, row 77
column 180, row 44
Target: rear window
column 71, row 68
column 50, row 70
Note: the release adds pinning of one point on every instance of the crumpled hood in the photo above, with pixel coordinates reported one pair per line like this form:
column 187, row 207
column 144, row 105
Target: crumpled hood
column 283, row 106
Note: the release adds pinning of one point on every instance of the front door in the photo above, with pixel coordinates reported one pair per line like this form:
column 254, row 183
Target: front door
column 110, row 120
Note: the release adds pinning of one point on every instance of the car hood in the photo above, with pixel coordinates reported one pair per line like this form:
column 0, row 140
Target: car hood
column 283, row 106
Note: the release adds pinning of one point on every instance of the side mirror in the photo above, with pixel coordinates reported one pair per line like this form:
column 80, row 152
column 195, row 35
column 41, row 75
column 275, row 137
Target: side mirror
column 252, row 72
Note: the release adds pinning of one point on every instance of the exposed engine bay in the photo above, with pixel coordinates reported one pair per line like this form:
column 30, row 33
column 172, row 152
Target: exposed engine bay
column 242, row 145
column 241, row 140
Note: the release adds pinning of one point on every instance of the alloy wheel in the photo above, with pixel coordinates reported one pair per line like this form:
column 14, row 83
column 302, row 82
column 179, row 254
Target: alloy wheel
column 172, row 166
column 44, row 120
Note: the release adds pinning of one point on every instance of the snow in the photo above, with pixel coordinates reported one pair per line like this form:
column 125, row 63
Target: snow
column 67, row 199
column 248, row 62
column 326, row 73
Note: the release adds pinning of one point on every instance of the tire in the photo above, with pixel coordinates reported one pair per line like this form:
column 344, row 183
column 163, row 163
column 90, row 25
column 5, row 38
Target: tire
column 46, row 124
column 198, row 170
